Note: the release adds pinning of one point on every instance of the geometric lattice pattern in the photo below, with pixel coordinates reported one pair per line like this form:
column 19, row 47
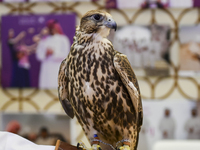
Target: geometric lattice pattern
column 173, row 86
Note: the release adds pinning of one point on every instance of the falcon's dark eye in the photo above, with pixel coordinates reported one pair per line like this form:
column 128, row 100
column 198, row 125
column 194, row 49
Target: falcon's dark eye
column 97, row 17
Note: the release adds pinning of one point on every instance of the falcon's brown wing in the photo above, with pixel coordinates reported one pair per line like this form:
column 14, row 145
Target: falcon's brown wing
column 62, row 90
column 128, row 78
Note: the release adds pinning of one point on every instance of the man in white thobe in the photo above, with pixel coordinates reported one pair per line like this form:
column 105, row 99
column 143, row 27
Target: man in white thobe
column 192, row 126
column 167, row 126
column 51, row 51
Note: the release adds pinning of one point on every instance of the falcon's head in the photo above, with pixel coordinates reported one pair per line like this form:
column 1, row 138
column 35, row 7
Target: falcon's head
column 97, row 21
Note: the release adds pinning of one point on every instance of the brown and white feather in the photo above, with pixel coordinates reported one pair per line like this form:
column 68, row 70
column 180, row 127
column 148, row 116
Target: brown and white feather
column 99, row 87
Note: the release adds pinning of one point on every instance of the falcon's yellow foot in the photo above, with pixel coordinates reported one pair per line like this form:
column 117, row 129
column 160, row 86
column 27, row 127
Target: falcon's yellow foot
column 124, row 147
column 82, row 146
column 96, row 147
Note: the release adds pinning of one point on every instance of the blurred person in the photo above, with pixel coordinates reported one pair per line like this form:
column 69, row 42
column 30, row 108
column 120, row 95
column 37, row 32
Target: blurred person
column 145, row 4
column 13, row 127
column 111, row 3
column 50, row 52
column 44, row 137
column 167, row 126
column 23, row 55
column 31, row 137
column 162, row 3
column 20, row 74
column 134, row 41
column 155, row 47
column 192, row 125
column 155, row 4
column 159, row 46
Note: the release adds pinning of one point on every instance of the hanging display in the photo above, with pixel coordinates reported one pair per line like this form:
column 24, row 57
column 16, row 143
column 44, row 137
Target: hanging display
column 33, row 47
column 147, row 47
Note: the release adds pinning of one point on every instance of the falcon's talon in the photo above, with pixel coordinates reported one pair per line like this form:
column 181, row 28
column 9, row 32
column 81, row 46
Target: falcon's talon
column 77, row 146
column 81, row 145
column 96, row 147
column 124, row 147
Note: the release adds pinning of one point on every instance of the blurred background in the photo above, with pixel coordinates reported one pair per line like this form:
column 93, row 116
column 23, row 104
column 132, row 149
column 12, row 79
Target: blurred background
column 160, row 37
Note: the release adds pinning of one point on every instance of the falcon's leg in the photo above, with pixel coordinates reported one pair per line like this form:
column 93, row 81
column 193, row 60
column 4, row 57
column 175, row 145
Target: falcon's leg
column 95, row 144
column 81, row 145
column 126, row 146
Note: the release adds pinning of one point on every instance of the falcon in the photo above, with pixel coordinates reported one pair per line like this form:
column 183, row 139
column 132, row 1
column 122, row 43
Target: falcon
column 97, row 84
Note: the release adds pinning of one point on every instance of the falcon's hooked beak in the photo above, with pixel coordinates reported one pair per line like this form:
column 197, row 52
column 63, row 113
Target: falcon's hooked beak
column 110, row 23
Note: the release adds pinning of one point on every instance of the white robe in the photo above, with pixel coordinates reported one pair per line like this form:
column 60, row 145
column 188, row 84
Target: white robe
column 194, row 124
column 167, row 125
column 49, row 68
